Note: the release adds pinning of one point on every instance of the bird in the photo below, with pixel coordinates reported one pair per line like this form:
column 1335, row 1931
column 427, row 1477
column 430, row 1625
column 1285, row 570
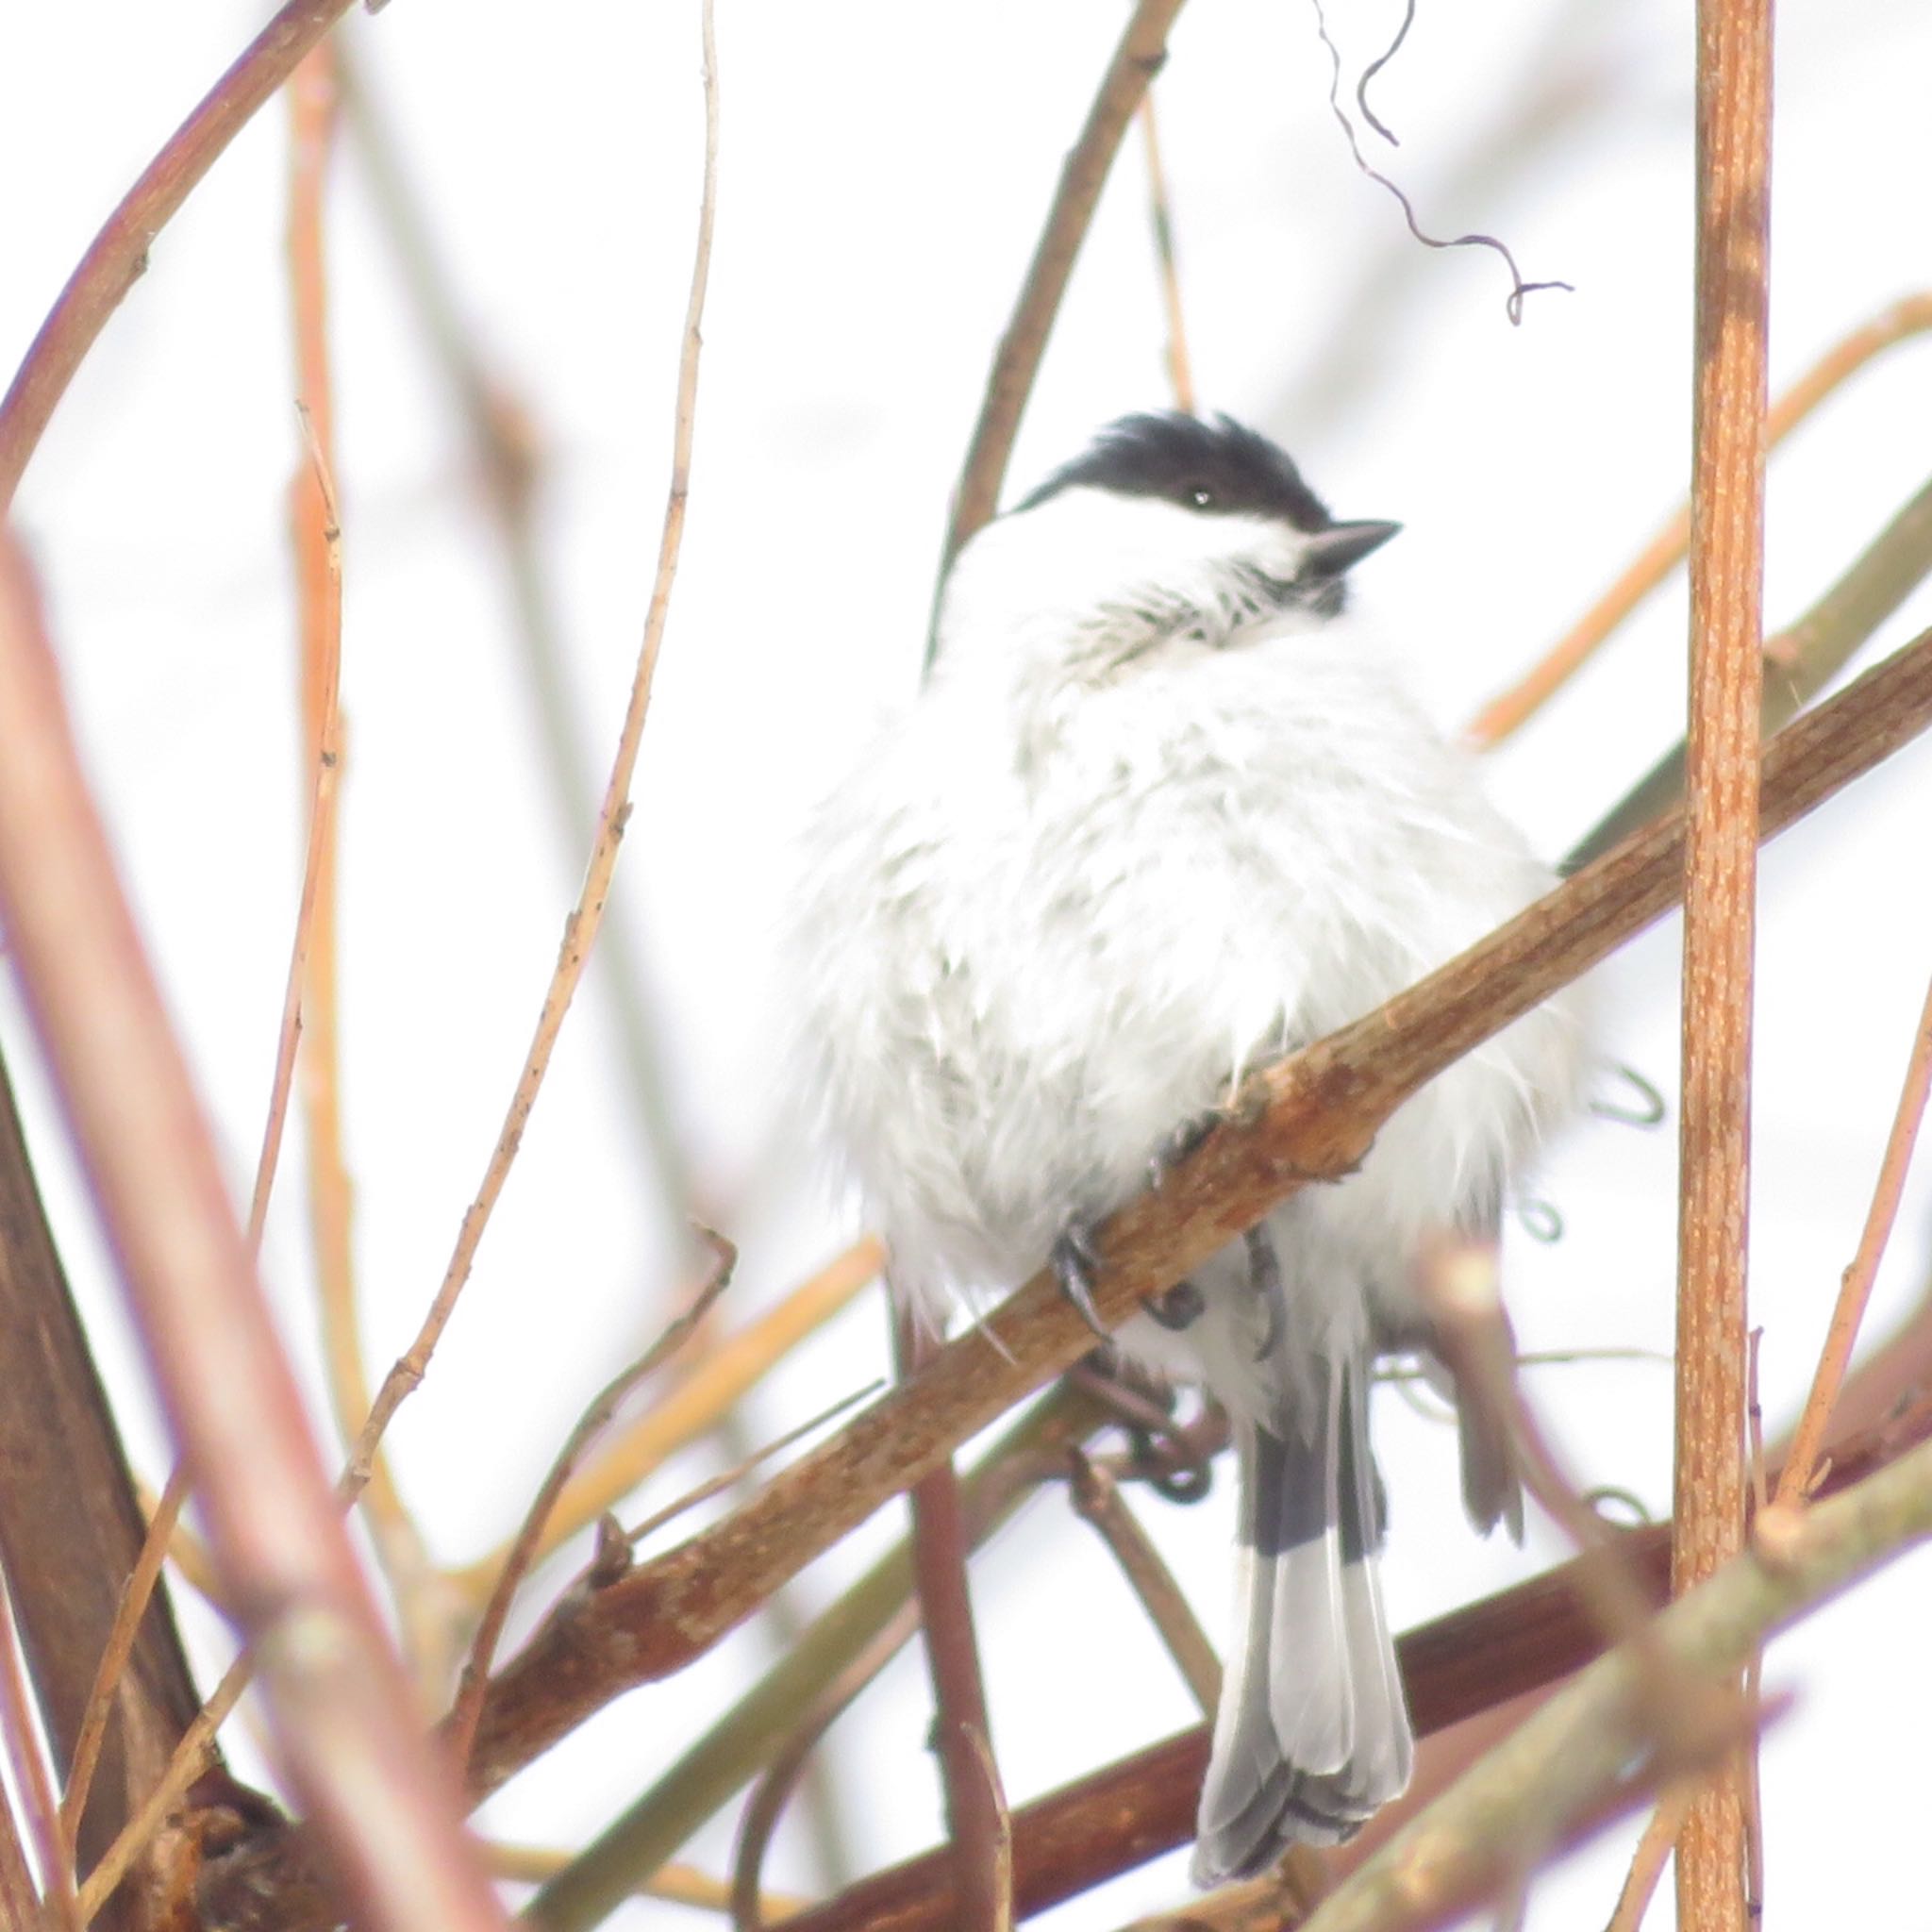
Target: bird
column 1163, row 810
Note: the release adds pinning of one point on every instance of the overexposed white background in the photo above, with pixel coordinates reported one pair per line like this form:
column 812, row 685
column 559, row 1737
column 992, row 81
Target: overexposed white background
column 883, row 171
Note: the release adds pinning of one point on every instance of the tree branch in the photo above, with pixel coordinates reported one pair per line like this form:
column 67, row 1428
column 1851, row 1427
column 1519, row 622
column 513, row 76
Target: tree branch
column 1733, row 314
column 117, row 256
column 71, row 1528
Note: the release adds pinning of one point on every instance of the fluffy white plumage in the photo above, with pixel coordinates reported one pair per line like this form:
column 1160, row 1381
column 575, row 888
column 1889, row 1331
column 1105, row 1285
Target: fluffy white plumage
column 1161, row 812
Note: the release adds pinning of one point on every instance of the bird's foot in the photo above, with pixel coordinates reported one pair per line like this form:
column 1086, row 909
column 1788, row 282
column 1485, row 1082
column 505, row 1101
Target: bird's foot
column 1240, row 1107
column 1075, row 1260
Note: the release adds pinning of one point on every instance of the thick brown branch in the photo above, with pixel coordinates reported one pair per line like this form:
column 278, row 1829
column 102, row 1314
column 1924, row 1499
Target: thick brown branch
column 70, row 1527
column 118, row 255
column 1320, row 1111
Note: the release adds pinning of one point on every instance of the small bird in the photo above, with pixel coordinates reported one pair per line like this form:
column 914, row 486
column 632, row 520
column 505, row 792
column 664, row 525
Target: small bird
column 1161, row 812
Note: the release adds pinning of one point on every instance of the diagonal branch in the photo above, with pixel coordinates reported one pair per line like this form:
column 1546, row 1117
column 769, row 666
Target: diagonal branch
column 341, row 1707
column 1316, row 1114
column 1140, row 55
column 117, row 256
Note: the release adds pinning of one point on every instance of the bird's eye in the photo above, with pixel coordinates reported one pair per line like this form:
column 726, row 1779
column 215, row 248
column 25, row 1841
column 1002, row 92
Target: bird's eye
column 1200, row 496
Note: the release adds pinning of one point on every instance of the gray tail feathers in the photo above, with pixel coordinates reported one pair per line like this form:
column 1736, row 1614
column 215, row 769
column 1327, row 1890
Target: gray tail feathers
column 1312, row 1736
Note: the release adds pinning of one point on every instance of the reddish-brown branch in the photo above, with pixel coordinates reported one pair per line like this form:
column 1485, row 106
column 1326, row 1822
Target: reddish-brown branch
column 71, row 1526
column 342, row 1707
column 1318, row 1113
column 974, row 1820
column 1721, row 859
column 1138, row 57
column 118, row 255
column 1180, row 369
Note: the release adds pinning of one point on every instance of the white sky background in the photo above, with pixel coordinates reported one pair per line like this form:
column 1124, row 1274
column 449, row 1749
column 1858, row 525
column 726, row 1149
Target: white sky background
column 883, row 173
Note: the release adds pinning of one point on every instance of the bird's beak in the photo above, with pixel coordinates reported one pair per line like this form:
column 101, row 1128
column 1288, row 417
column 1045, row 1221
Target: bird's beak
column 1341, row 546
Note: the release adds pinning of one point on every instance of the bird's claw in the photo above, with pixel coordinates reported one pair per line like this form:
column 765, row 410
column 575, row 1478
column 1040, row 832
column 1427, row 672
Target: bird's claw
column 1178, row 1145
column 1075, row 1260
column 1240, row 1107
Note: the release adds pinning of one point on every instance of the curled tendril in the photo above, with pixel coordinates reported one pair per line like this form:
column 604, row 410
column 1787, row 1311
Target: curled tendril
column 1519, row 287
column 1649, row 1111
column 1541, row 1220
column 1620, row 1508
column 1374, row 68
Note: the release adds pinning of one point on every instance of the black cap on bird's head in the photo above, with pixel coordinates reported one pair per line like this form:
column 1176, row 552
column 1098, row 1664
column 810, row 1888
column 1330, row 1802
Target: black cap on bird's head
column 1218, row 468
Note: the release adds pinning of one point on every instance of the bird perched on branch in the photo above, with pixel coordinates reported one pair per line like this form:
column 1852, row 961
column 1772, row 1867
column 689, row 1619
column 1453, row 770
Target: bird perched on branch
column 1161, row 812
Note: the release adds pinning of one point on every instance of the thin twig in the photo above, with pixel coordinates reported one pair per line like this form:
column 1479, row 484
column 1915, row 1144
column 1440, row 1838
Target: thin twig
column 1511, row 710
column 1136, row 60
column 1180, row 371
column 580, row 927
column 692, row 1408
column 939, row 1542
column 315, row 541
column 191, row 1758
column 31, row 1779
column 461, row 1727
column 729, row 1479
column 1752, row 1785
column 1096, row 1497
column 1721, row 861
column 1855, row 1290
column 1316, row 1115
column 678, row 1885
column 117, row 256
column 1798, row 663
column 114, row 1654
